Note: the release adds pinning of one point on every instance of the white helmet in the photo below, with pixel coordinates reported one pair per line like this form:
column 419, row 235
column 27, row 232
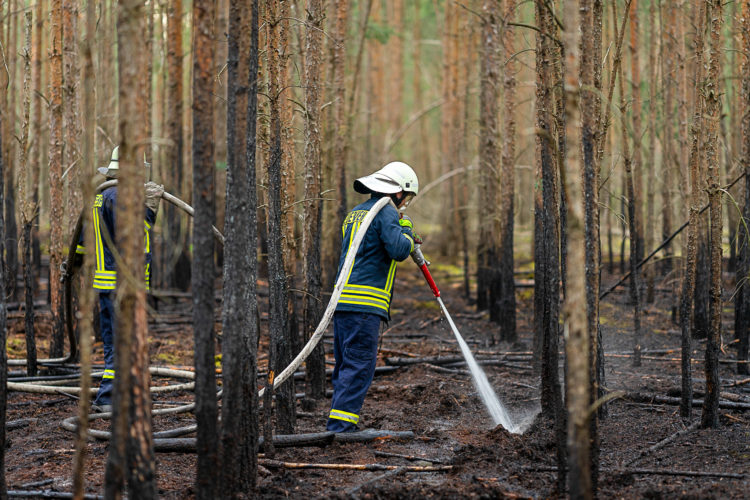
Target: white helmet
column 113, row 168
column 393, row 178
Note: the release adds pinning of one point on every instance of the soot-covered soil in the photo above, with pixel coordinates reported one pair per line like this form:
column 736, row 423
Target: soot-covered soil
column 442, row 408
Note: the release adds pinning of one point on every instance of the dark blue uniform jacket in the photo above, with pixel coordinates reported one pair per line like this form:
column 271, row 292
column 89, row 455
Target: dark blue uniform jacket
column 369, row 286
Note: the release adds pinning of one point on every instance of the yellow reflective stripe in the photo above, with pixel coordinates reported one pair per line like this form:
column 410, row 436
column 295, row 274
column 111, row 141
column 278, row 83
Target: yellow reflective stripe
column 367, row 290
column 410, row 241
column 354, row 229
column 98, row 247
column 109, row 374
column 344, row 415
column 80, row 249
column 364, row 296
column 361, row 301
column 391, row 276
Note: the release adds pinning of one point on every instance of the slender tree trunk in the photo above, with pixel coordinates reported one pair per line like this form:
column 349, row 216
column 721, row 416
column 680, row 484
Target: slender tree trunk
column 667, row 49
column 71, row 120
column 577, row 339
column 175, row 262
column 651, row 151
column 87, row 295
column 547, row 242
column 27, row 210
column 489, row 152
column 239, row 433
column 278, row 318
column 689, row 281
column 203, row 271
column 3, row 316
column 742, row 303
column 37, row 150
column 55, row 175
column 315, row 378
column 421, row 140
column 503, row 292
column 710, row 415
column 11, row 227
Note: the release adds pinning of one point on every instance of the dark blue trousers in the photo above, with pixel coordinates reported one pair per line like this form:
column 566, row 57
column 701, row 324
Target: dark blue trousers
column 355, row 347
column 107, row 324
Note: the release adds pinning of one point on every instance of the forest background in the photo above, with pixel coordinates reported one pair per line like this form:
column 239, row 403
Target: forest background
column 475, row 95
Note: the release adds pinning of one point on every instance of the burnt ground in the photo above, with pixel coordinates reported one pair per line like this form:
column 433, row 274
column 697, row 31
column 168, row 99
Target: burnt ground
column 442, row 409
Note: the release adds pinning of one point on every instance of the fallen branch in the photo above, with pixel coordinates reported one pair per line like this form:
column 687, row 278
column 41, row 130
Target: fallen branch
column 187, row 445
column 391, row 473
column 739, row 383
column 20, row 423
column 435, row 360
column 654, row 472
column 662, row 443
column 276, row 464
column 372, row 435
column 406, row 457
column 638, row 397
column 47, row 494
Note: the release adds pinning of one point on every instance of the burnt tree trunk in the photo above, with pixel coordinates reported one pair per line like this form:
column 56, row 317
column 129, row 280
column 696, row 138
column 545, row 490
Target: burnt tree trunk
column 742, row 303
column 312, row 304
column 3, row 331
column 239, row 431
column 203, row 271
column 55, row 176
column 546, row 243
column 281, row 344
column 710, row 414
column 489, row 154
column 503, row 291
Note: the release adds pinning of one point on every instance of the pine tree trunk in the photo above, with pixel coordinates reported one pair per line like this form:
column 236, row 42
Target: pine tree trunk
column 11, row 227
column 57, row 221
column 489, row 153
column 710, row 414
column 239, row 432
column 742, row 303
column 281, row 346
column 315, row 378
column 651, row 151
column 577, row 338
column 667, row 49
column 3, row 316
column 546, row 243
column 689, row 281
column 37, row 150
column 71, row 120
column 503, row 292
column 203, row 271
column 87, row 291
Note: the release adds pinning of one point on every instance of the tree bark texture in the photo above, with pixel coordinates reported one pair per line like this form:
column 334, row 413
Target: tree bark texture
column 547, row 241
column 3, row 330
column 203, row 271
column 175, row 268
column 71, row 117
column 9, row 105
column 87, row 294
column 57, row 221
column 503, row 291
column 742, row 302
column 131, row 355
column 636, row 110
column 37, row 149
column 696, row 185
column 489, row 153
column 315, row 380
column 667, row 49
column 239, row 432
column 710, row 414
column 281, row 345
column 651, row 151
column 576, row 335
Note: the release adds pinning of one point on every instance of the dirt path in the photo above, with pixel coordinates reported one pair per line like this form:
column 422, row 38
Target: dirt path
column 442, row 408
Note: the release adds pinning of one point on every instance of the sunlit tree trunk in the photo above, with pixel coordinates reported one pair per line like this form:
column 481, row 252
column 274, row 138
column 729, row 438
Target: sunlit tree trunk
column 710, row 414
column 203, row 271
column 575, row 322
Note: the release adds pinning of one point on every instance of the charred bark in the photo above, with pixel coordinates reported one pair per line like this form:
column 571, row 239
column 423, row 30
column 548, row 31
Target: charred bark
column 315, row 380
column 280, row 355
column 3, row 330
column 742, row 301
column 239, row 432
column 203, row 271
